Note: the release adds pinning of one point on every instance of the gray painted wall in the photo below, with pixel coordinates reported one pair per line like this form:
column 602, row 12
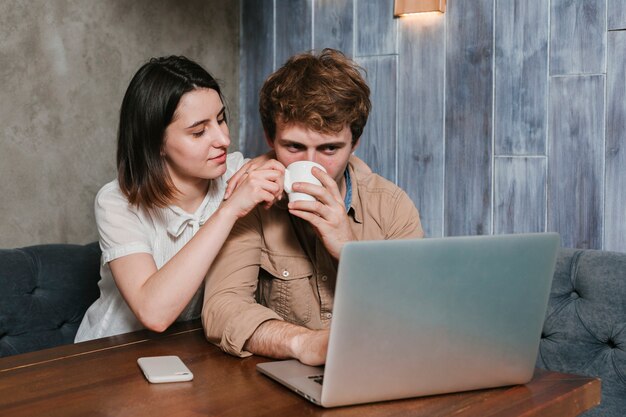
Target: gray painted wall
column 498, row 116
column 64, row 66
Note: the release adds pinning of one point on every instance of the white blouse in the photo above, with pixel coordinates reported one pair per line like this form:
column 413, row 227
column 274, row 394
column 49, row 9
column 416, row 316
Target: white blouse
column 126, row 229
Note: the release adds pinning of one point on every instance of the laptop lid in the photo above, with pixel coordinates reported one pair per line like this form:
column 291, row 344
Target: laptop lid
column 438, row 315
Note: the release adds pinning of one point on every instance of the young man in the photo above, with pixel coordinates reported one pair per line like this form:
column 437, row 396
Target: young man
column 270, row 290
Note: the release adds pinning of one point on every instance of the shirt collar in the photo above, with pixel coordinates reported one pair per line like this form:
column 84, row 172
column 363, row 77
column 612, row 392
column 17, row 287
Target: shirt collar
column 348, row 198
column 357, row 170
column 179, row 219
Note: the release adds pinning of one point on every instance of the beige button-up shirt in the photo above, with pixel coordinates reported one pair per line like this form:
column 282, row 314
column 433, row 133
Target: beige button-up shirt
column 273, row 266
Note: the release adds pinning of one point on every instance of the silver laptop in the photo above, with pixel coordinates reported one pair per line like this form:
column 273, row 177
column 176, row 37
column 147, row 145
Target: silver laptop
column 430, row 316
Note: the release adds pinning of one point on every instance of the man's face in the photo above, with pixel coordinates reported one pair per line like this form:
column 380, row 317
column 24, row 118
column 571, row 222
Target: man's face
column 295, row 142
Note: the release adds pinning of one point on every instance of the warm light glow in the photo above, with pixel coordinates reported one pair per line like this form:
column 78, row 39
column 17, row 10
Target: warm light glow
column 421, row 20
column 406, row 7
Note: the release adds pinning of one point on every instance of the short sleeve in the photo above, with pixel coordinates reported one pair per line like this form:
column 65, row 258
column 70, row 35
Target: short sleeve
column 120, row 227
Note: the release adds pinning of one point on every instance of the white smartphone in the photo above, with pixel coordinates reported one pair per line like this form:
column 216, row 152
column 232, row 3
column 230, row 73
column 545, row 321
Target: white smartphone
column 158, row 369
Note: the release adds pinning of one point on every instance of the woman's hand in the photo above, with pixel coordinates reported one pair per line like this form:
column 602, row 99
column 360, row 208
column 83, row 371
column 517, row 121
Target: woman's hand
column 263, row 185
column 249, row 166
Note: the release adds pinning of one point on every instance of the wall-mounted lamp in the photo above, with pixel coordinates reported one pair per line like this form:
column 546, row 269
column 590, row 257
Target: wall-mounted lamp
column 403, row 7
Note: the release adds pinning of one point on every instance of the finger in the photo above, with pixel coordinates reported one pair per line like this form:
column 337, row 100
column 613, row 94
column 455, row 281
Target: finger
column 258, row 194
column 266, row 199
column 279, row 169
column 236, row 179
column 316, row 221
column 314, row 207
column 266, row 175
column 266, row 180
column 281, row 187
column 327, row 182
column 280, row 180
column 274, row 165
column 271, row 187
column 320, row 193
column 234, row 182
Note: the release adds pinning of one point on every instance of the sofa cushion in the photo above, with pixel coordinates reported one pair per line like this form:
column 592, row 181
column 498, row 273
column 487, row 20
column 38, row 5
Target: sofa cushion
column 585, row 328
column 45, row 292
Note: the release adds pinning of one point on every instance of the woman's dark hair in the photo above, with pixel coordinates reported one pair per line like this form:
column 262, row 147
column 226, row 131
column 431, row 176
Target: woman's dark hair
column 147, row 109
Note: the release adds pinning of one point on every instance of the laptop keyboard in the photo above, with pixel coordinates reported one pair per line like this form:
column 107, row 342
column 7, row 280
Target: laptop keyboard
column 317, row 378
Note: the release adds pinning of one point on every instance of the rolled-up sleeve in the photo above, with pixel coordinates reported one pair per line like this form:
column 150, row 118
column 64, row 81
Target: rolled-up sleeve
column 230, row 314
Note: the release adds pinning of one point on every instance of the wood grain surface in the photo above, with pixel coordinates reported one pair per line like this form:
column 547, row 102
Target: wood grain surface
column 102, row 378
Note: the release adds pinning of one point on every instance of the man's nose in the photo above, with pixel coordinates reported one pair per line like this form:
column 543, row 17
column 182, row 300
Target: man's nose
column 311, row 155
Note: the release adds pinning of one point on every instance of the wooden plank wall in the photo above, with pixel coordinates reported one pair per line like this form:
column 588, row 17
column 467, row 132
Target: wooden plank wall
column 615, row 197
column 468, row 118
column 421, row 69
column 520, row 115
column 499, row 116
column 257, row 62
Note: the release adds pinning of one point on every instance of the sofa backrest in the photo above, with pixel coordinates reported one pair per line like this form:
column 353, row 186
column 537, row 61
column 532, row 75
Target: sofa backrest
column 585, row 328
column 44, row 293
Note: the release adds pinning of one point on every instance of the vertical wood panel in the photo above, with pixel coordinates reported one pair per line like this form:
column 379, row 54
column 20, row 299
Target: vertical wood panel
column 617, row 16
column 520, row 195
column 257, row 48
column 375, row 28
column 333, row 25
column 577, row 191
column 421, row 66
column 615, row 206
column 469, row 48
column 575, row 183
column 578, row 37
column 293, row 28
column 378, row 142
column 521, row 77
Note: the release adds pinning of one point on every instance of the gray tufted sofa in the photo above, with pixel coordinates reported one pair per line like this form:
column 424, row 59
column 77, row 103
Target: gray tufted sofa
column 45, row 290
column 585, row 327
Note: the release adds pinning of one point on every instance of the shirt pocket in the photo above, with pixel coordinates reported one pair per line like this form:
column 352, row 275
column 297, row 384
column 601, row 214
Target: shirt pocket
column 284, row 286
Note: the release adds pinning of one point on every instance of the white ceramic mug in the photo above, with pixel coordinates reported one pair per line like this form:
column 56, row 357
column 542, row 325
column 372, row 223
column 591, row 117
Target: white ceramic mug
column 300, row 171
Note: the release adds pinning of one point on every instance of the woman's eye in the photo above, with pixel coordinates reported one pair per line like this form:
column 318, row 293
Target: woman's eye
column 221, row 121
column 197, row 134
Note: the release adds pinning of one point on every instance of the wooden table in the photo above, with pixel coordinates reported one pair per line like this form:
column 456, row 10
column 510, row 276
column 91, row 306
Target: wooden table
column 101, row 378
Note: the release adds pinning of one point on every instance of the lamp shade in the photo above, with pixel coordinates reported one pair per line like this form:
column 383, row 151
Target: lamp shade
column 403, row 7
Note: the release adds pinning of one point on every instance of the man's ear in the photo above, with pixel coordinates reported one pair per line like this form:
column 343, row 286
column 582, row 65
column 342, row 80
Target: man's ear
column 270, row 141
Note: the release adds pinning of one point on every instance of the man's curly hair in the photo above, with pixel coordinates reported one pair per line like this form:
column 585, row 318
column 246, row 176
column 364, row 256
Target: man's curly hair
column 323, row 92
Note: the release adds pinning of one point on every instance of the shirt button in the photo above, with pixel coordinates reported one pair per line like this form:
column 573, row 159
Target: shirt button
column 285, row 273
column 329, row 315
column 324, row 278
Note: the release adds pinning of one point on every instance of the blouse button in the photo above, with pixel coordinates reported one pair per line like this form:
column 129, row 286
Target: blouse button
column 329, row 315
column 324, row 277
column 285, row 273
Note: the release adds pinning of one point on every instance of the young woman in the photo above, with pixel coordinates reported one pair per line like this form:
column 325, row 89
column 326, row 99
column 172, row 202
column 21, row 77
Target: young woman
column 164, row 219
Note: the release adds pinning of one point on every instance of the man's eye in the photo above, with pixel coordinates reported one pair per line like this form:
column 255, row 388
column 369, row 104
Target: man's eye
column 293, row 148
column 330, row 149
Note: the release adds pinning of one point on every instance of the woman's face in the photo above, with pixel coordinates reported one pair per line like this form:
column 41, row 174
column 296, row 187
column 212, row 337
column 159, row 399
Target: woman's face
column 197, row 139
